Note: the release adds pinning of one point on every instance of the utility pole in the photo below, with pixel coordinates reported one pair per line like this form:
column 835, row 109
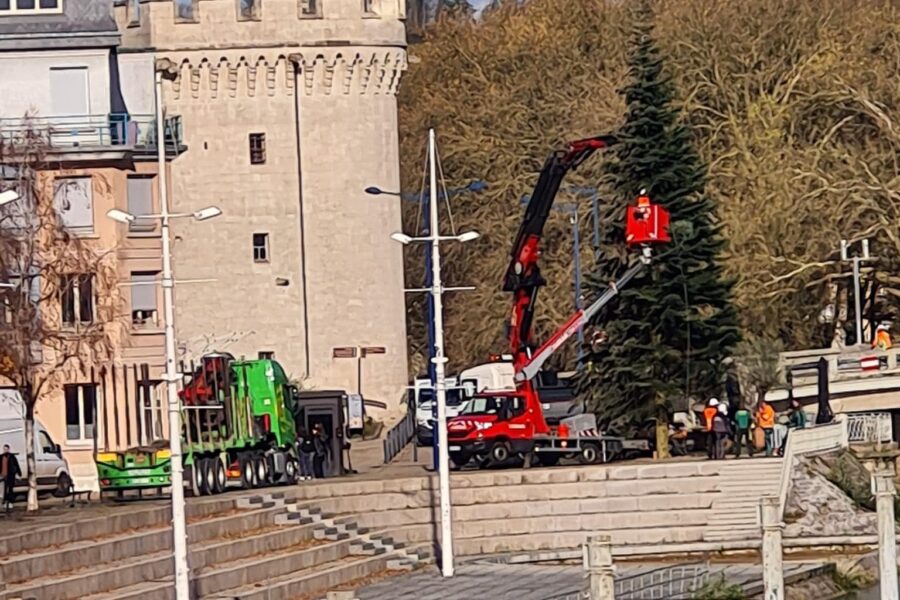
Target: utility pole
column 857, row 300
column 179, row 526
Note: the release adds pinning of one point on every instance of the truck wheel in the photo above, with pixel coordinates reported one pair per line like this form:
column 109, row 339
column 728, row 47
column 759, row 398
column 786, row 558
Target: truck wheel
column 221, row 477
column 63, row 485
column 208, row 476
column 290, row 470
column 247, row 472
column 500, row 453
column 548, row 459
column 262, row 471
column 458, row 460
column 590, row 454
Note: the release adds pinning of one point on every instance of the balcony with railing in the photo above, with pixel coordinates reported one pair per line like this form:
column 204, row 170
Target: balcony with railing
column 117, row 131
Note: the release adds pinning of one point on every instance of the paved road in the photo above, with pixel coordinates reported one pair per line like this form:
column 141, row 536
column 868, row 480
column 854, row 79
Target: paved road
column 530, row 581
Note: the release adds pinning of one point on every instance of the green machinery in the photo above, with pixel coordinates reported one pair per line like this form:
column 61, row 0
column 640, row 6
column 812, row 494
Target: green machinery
column 238, row 427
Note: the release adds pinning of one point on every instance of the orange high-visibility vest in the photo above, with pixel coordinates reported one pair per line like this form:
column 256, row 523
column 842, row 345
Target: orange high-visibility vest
column 709, row 413
column 765, row 417
column 882, row 340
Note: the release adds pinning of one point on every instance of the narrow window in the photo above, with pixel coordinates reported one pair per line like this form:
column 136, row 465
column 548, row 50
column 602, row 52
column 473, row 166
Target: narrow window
column 260, row 247
column 77, row 300
column 185, row 11
column 267, row 355
column 140, row 203
column 134, row 12
column 248, row 10
column 80, row 402
column 310, row 9
column 368, row 7
column 74, row 202
column 143, row 300
column 257, row 148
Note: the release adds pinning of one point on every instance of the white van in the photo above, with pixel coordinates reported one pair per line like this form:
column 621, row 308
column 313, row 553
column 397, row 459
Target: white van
column 53, row 473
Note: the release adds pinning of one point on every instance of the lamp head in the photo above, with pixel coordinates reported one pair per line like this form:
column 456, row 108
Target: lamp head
column 209, row 212
column 401, row 237
column 120, row 216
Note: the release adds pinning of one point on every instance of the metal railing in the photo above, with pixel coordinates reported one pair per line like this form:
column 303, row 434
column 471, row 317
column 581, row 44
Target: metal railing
column 676, row 582
column 399, row 436
column 870, row 428
column 93, row 131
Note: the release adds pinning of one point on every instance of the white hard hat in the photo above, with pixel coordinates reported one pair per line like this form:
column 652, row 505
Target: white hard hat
column 713, row 401
column 883, row 327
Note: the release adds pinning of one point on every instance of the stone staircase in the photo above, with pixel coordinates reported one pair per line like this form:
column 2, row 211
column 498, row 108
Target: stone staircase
column 645, row 508
column 261, row 549
column 735, row 516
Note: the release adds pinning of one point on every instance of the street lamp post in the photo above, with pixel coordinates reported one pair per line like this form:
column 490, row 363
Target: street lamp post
column 475, row 186
column 440, row 360
column 165, row 69
column 856, row 259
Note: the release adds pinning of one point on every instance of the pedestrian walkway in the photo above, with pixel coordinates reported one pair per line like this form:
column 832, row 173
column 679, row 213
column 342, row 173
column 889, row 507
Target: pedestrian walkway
column 541, row 582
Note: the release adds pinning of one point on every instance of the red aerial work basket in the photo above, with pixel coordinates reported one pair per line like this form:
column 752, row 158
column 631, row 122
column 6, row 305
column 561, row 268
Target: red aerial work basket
column 646, row 223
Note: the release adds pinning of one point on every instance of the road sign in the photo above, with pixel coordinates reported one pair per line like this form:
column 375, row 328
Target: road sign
column 344, row 352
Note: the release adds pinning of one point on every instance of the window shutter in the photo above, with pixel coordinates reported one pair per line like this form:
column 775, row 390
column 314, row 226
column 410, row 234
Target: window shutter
column 143, row 297
column 74, row 202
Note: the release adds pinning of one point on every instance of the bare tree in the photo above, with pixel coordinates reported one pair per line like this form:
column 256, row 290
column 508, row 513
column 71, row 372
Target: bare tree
column 59, row 310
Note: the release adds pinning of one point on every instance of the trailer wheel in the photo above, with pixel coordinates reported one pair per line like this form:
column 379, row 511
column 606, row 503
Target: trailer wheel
column 221, row 477
column 248, row 472
column 590, row 454
column 207, row 472
column 500, row 453
column 196, row 477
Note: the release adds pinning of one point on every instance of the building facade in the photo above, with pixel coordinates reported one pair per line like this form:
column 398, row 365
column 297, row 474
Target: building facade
column 63, row 79
column 289, row 111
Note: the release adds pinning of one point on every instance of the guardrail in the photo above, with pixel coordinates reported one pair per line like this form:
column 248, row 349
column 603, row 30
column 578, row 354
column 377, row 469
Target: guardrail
column 676, row 582
column 810, row 440
column 92, row 131
column 399, row 436
column 870, row 428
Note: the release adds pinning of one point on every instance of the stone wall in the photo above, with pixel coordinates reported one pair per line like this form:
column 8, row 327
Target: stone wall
column 323, row 91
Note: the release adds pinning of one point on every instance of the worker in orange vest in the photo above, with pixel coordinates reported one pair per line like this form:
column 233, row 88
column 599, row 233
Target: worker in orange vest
column 882, row 339
column 709, row 414
column 765, row 420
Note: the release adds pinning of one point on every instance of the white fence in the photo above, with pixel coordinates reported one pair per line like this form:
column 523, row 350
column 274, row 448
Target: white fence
column 870, row 428
column 812, row 440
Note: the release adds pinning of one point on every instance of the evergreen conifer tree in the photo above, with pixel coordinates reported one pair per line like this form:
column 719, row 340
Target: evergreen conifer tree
column 671, row 327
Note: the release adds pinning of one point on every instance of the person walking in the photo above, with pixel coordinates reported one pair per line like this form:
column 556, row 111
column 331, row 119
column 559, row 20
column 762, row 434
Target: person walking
column 721, row 431
column 321, row 451
column 9, row 471
column 743, row 421
column 709, row 414
column 307, row 450
column 765, row 420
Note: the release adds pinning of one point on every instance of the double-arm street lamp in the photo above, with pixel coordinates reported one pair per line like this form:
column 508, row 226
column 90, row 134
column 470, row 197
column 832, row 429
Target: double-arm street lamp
column 439, row 360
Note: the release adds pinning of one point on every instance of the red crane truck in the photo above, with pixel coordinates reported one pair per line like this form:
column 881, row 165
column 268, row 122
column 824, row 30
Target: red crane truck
column 495, row 426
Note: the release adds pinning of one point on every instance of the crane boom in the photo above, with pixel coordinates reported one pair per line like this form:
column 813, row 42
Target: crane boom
column 523, row 276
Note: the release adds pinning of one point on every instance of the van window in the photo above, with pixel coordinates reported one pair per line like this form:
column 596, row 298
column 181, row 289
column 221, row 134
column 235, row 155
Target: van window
column 46, row 443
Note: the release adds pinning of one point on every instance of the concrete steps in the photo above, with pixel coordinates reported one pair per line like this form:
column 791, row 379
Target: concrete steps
column 506, row 511
column 735, row 514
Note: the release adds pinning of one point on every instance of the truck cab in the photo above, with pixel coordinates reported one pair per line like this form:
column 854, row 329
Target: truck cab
column 491, row 428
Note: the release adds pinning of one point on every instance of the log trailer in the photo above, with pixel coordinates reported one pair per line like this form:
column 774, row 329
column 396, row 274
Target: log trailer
column 238, row 427
column 495, row 426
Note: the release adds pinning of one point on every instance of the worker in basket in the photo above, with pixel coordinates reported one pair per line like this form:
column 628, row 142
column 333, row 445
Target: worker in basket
column 882, row 339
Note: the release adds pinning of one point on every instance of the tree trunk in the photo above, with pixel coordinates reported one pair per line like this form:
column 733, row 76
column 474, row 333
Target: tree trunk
column 29, row 452
column 662, row 431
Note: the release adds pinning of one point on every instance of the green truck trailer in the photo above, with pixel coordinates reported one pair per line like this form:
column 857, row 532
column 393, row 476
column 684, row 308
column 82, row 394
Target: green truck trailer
column 238, row 428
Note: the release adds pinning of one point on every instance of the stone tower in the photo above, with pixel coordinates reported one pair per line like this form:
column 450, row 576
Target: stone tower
column 289, row 112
